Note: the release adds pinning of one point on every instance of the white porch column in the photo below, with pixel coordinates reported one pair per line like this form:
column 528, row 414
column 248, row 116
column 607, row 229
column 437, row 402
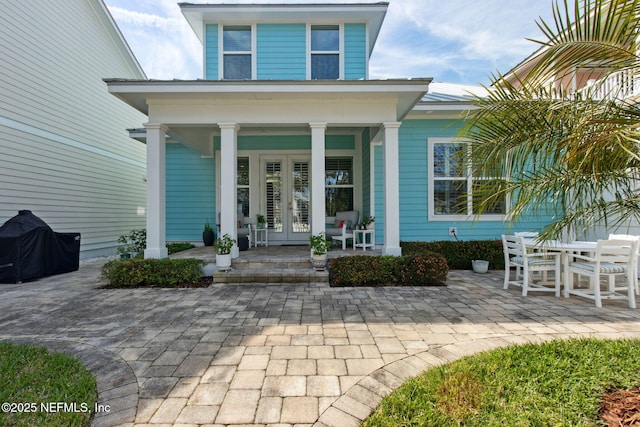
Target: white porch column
column 156, row 194
column 317, row 176
column 229, row 182
column 391, row 189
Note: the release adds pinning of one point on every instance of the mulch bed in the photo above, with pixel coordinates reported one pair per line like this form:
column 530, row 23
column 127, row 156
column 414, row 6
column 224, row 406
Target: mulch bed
column 621, row 408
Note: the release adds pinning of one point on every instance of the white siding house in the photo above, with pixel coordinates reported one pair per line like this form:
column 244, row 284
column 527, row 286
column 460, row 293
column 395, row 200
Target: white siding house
column 65, row 153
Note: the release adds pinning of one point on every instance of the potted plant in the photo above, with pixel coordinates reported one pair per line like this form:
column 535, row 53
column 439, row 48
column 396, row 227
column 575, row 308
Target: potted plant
column 368, row 222
column 125, row 252
column 319, row 247
column 262, row 221
column 207, row 235
column 223, row 246
column 479, row 265
column 134, row 243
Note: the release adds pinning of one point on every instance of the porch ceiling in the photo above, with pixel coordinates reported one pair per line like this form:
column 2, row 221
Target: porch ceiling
column 267, row 103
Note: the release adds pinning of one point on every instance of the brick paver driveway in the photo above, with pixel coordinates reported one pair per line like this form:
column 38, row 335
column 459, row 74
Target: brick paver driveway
column 279, row 354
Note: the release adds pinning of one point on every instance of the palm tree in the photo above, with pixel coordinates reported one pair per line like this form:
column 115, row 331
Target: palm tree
column 550, row 150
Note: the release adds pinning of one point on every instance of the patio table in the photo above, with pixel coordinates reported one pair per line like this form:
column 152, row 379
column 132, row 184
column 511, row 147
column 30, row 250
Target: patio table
column 565, row 248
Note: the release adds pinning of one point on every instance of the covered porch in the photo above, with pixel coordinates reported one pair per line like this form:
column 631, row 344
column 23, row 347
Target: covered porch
column 273, row 264
column 212, row 118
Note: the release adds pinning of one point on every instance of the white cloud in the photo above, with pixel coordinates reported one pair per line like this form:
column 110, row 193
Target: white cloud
column 459, row 39
column 163, row 43
column 450, row 40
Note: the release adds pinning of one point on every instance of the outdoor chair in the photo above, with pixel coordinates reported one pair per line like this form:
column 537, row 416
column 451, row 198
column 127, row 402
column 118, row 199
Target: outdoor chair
column 526, row 235
column 342, row 229
column 612, row 258
column 516, row 255
column 244, row 228
column 634, row 273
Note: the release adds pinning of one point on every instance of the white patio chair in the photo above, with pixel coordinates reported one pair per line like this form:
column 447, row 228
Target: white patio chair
column 345, row 235
column 516, row 255
column 612, row 258
column 635, row 266
column 526, row 235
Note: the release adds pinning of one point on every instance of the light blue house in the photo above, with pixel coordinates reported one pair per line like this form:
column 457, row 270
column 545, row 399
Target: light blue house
column 286, row 123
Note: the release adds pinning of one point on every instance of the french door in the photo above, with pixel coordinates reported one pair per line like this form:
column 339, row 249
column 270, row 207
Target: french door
column 286, row 197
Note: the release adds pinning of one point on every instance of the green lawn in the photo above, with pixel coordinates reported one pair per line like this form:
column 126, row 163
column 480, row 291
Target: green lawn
column 38, row 388
column 559, row 383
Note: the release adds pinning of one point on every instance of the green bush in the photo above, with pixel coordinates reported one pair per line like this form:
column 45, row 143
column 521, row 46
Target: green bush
column 460, row 253
column 153, row 272
column 172, row 248
column 135, row 242
column 362, row 270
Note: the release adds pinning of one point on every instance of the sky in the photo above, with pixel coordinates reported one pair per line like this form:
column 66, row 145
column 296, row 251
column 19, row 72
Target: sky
column 452, row 41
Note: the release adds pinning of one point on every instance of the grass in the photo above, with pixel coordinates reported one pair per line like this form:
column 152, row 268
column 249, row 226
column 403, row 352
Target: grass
column 31, row 377
column 173, row 248
column 559, row 383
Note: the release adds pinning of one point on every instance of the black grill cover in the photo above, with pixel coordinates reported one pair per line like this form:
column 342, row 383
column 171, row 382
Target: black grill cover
column 30, row 249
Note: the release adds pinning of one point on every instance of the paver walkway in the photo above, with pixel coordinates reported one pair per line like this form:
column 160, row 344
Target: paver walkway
column 279, row 355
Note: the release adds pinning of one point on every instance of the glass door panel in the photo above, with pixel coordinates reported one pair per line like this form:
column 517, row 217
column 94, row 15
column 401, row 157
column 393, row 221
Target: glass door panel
column 286, row 197
column 300, row 197
column 273, row 192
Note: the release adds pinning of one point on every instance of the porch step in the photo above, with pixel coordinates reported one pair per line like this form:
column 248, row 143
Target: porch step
column 272, row 269
column 270, row 262
column 271, row 275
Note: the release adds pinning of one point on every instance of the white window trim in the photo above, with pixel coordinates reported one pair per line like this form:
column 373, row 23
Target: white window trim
column 339, row 52
column 352, row 186
column 222, row 52
column 246, row 186
column 431, row 179
column 255, row 201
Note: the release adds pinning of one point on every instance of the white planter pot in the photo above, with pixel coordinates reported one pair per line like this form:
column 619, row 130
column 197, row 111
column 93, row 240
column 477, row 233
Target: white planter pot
column 370, row 226
column 480, row 265
column 318, row 262
column 223, row 262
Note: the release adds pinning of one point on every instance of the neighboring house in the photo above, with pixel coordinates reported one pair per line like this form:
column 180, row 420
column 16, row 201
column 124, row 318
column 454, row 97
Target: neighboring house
column 595, row 82
column 65, row 153
column 286, row 123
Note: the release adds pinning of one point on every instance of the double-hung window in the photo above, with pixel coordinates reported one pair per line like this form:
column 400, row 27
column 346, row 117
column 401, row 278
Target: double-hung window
column 338, row 185
column 237, row 52
column 451, row 183
column 325, row 52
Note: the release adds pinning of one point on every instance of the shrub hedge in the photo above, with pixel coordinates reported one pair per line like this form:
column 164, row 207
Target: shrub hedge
column 460, row 253
column 153, row 272
column 172, row 248
column 427, row 269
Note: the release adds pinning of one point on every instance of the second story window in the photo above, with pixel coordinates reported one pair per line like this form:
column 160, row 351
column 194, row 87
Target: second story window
column 236, row 42
column 325, row 52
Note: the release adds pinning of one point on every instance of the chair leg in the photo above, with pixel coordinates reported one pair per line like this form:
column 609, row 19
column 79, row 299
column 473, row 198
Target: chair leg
column 567, row 275
column 507, row 273
column 596, row 291
column 556, row 277
column 631, row 291
column 525, row 281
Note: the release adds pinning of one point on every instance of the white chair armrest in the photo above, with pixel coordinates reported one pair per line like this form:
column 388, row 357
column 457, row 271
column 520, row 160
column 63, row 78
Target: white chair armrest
column 583, row 257
column 543, row 254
